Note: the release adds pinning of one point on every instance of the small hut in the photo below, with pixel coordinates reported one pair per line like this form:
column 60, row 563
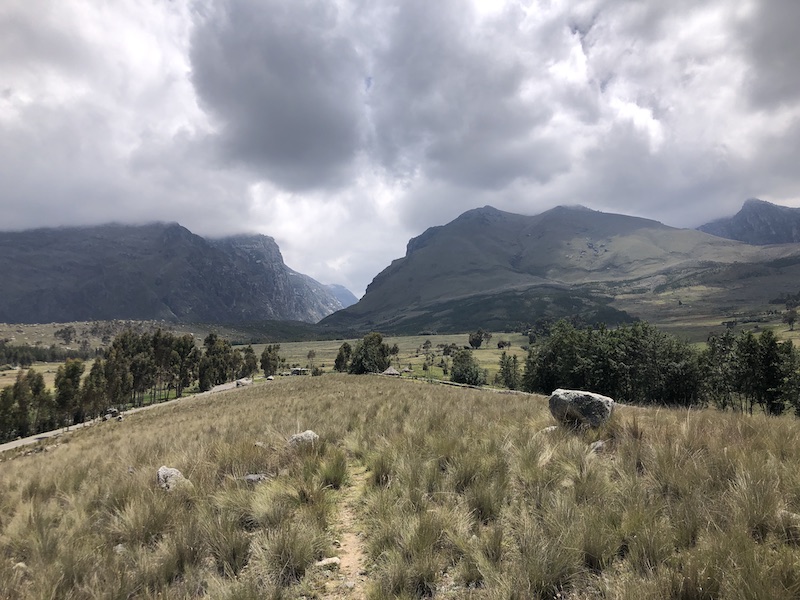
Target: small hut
column 391, row 371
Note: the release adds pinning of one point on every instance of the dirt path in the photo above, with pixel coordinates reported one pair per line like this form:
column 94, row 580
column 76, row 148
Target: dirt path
column 351, row 581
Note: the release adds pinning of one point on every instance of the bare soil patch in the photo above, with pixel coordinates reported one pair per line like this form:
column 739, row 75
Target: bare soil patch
column 351, row 580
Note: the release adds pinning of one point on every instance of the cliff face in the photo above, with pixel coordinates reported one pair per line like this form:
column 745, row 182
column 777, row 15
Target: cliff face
column 157, row 271
column 759, row 223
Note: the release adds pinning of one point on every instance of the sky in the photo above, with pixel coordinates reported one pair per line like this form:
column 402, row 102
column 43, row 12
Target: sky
column 342, row 128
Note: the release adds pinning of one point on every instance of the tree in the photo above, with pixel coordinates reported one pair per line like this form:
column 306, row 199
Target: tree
column 219, row 363
column 476, row 338
column 42, row 401
column 68, row 385
column 67, row 334
column 93, row 389
column 23, row 397
column 370, row 355
column 342, row 360
column 312, row 354
column 718, row 367
column 790, row 317
column 509, row 371
column 187, row 360
column 6, row 414
column 270, row 360
column 249, row 363
column 466, row 370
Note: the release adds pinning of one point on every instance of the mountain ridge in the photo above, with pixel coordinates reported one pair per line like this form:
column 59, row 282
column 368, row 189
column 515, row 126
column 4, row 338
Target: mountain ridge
column 758, row 222
column 565, row 261
column 152, row 271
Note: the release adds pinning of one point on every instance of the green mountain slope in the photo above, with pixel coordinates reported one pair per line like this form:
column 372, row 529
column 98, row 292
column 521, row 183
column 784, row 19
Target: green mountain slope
column 513, row 268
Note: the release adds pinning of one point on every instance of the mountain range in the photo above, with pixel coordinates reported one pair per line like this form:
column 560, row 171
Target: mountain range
column 155, row 271
column 495, row 270
column 487, row 268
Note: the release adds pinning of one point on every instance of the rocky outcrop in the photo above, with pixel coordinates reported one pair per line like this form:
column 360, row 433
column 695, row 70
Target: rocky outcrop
column 580, row 408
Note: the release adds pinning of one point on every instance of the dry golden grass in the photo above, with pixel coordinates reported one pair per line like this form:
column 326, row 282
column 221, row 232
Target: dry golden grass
column 466, row 497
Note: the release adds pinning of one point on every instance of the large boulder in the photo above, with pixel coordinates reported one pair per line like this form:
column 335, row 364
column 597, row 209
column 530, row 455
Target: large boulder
column 171, row 479
column 579, row 408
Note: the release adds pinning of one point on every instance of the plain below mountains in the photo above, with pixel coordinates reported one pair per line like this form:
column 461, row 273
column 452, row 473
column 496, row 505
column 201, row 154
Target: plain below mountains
column 499, row 270
column 155, row 271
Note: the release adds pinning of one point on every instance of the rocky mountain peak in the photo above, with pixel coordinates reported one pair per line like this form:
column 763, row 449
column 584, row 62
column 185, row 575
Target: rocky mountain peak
column 759, row 223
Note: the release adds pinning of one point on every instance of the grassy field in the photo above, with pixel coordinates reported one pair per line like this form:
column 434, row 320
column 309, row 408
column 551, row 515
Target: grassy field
column 411, row 352
column 430, row 490
column 48, row 370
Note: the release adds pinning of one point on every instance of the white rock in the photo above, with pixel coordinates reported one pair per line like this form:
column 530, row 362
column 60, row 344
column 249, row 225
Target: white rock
column 328, row 563
column 301, row 439
column 171, row 479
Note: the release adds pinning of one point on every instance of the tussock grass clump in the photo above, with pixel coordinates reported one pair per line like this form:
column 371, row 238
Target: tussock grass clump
column 467, row 495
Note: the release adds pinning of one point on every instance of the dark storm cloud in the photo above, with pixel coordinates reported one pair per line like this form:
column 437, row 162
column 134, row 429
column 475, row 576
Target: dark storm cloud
column 286, row 86
column 345, row 127
column 773, row 45
column 448, row 98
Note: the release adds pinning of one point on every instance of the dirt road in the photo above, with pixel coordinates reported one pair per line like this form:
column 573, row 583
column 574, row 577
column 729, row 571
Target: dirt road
column 59, row 432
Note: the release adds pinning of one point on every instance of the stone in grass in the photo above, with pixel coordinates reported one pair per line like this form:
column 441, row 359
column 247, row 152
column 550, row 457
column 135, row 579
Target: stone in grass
column 598, row 447
column 171, row 479
column 254, row 478
column 308, row 437
column 579, row 408
column 328, row 563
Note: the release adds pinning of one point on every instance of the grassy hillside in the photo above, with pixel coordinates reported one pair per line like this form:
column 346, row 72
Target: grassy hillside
column 494, row 269
column 421, row 490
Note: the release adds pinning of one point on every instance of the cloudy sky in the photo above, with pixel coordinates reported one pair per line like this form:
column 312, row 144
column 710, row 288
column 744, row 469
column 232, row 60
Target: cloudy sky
column 344, row 127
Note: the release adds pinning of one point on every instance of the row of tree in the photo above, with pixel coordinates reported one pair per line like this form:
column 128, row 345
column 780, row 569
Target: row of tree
column 640, row 364
column 24, row 356
column 137, row 369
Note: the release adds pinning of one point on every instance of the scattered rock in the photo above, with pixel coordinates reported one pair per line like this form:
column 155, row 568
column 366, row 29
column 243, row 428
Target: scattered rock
column 260, row 445
column 120, row 549
column 598, row 447
column 245, row 381
column 549, row 429
column 254, row 478
column 20, row 567
column 111, row 413
column 328, row 563
column 579, row 408
column 270, row 377
column 171, row 479
column 301, row 439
